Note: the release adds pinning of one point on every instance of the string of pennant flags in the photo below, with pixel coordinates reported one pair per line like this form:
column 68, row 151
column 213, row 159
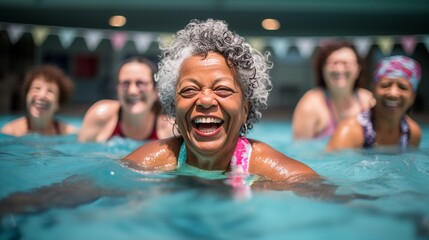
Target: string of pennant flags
column 142, row 40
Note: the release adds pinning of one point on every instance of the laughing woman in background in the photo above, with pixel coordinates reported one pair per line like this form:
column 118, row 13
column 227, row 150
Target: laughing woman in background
column 46, row 88
column 338, row 71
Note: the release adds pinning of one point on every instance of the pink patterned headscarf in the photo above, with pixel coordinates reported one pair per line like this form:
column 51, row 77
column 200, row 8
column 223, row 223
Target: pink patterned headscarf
column 399, row 66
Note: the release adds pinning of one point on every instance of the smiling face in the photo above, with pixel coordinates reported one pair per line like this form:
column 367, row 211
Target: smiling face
column 341, row 69
column 136, row 90
column 210, row 107
column 394, row 96
column 42, row 98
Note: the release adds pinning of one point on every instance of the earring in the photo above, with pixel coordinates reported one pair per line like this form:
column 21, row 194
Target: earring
column 244, row 130
column 176, row 129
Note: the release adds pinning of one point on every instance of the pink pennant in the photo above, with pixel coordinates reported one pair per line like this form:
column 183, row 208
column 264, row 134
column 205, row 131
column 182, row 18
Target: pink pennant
column 118, row 40
column 409, row 44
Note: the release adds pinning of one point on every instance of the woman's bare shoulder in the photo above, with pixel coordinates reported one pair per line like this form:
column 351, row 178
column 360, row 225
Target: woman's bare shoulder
column 416, row 132
column 17, row 127
column 67, row 128
column 310, row 102
column 103, row 110
column 155, row 155
column 366, row 98
column 313, row 95
column 274, row 165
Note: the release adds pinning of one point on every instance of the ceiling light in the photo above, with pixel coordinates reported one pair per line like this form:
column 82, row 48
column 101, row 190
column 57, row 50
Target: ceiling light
column 117, row 21
column 270, row 24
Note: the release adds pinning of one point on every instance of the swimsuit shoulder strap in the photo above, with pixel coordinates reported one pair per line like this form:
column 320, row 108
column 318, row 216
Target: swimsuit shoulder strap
column 241, row 157
column 405, row 133
column 329, row 130
column 182, row 155
column 153, row 135
column 365, row 120
column 117, row 131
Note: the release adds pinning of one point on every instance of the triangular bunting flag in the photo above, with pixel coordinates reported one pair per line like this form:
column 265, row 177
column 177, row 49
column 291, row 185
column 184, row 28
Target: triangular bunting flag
column 280, row 46
column 257, row 43
column 15, row 32
column 362, row 44
column 165, row 38
column 142, row 41
column 305, row 46
column 118, row 40
column 409, row 44
column 386, row 44
column 92, row 39
column 40, row 33
column 66, row 35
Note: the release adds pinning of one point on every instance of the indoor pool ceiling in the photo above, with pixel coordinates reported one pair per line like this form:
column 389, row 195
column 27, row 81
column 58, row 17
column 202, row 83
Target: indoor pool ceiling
column 297, row 17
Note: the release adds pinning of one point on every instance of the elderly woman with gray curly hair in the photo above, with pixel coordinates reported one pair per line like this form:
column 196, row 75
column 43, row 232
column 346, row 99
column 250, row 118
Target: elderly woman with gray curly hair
column 215, row 85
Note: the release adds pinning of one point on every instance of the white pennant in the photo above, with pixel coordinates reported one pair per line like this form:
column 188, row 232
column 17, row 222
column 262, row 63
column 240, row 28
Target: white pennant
column 362, row 45
column 305, row 46
column 92, row 39
column 143, row 41
column 280, row 46
column 15, row 32
column 66, row 35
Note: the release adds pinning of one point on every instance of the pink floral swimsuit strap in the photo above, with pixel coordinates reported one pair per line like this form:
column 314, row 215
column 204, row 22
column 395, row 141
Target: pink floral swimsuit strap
column 241, row 157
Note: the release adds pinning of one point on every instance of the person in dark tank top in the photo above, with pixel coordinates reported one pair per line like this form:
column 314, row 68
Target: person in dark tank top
column 137, row 113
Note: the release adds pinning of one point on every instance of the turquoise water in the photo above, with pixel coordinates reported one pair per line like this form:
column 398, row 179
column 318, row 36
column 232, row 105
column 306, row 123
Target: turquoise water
column 83, row 192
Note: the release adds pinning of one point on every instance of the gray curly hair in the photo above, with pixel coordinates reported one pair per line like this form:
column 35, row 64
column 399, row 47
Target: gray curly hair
column 202, row 37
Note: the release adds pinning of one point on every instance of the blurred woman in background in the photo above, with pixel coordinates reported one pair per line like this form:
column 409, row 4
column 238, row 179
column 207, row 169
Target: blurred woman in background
column 137, row 112
column 46, row 88
column 338, row 71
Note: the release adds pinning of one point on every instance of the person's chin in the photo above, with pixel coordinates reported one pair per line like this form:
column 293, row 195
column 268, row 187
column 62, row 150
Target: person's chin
column 37, row 112
column 136, row 107
column 208, row 143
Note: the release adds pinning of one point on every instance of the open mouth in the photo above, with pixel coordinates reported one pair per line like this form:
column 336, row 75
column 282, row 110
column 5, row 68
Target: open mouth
column 134, row 100
column 43, row 105
column 207, row 124
column 391, row 103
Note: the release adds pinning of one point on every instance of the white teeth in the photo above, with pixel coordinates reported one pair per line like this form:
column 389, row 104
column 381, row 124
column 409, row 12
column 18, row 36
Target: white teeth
column 41, row 104
column 207, row 120
column 390, row 103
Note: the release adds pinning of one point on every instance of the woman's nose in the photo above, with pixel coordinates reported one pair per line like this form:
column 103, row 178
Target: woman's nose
column 206, row 99
column 42, row 92
column 394, row 91
column 133, row 88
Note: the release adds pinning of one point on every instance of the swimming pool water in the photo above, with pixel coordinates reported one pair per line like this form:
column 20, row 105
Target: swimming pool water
column 94, row 196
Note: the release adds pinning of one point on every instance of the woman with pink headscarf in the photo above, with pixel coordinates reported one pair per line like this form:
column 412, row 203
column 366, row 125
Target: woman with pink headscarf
column 387, row 123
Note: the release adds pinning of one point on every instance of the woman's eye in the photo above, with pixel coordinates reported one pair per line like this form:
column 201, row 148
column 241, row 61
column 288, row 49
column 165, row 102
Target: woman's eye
column 188, row 92
column 385, row 85
column 404, row 87
column 141, row 84
column 224, row 92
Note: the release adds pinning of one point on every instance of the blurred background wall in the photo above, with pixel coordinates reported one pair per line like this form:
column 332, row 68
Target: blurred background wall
column 76, row 35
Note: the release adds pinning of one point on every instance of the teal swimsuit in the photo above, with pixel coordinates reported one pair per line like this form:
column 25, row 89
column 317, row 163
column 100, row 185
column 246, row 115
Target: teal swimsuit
column 239, row 177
